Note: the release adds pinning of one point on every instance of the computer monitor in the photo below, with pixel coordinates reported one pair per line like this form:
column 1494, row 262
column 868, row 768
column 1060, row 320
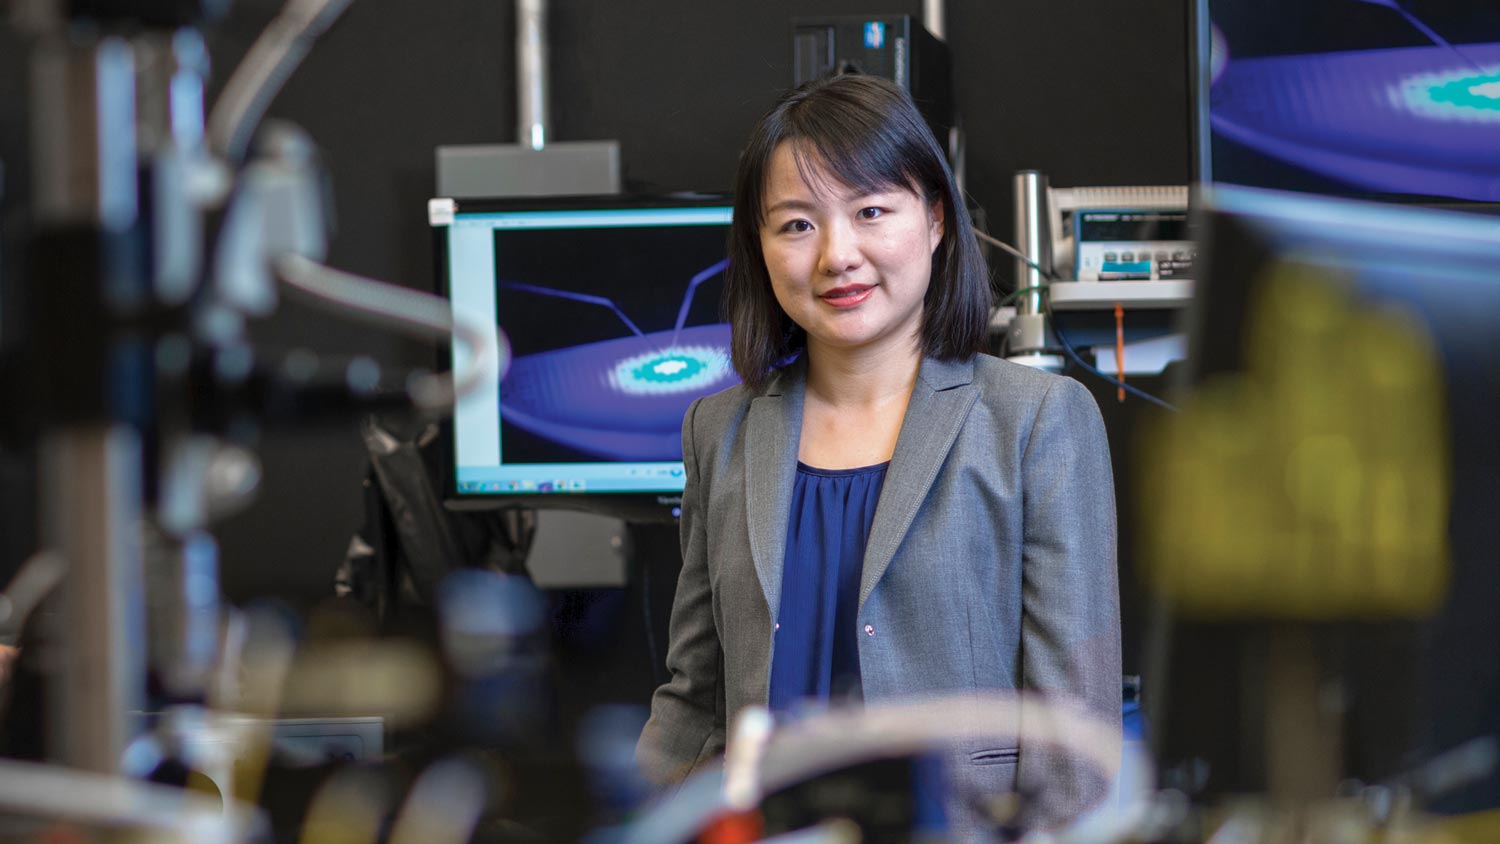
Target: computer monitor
column 1329, row 490
column 1386, row 99
column 611, row 306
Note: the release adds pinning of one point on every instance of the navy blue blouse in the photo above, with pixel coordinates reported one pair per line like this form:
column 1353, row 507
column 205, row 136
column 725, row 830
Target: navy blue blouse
column 816, row 655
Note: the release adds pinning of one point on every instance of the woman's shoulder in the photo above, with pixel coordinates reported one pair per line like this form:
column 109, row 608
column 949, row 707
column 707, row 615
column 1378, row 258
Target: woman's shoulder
column 1021, row 392
column 716, row 411
column 1004, row 379
column 732, row 402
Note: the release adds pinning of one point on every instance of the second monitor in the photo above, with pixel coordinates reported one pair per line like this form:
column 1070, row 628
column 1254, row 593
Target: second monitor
column 611, row 307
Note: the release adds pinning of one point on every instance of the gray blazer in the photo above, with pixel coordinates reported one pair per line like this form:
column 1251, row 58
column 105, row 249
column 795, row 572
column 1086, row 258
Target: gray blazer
column 990, row 565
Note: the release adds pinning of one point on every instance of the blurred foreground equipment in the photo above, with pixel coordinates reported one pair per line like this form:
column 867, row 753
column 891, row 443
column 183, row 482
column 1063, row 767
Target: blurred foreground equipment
column 1317, row 524
column 155, row 234
column 880, row 770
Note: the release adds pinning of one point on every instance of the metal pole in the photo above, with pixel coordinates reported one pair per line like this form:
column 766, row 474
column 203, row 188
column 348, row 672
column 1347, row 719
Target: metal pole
column 1304, row 739
column 1032, row 237
column 90, row 488
column 90, row 497
column 934, row 19
column 83, row 134
column 534, row 123
column 1026, row 338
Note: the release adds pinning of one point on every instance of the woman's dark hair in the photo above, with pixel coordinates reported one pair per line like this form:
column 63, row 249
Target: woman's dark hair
column 866, row 132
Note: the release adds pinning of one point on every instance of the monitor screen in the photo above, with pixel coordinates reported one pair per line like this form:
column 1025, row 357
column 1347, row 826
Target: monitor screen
column 1387, row 99
column 611, row 307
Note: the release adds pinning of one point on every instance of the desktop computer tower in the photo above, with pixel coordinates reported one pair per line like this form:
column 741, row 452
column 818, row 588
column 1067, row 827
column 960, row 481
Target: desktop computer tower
column 895, row 47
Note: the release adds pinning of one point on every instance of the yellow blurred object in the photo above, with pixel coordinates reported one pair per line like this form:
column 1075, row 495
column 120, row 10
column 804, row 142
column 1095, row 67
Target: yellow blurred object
column 1474, row 828
column 348, row 808
column 398, row 679
column 1313, row 485
column 1250, row 820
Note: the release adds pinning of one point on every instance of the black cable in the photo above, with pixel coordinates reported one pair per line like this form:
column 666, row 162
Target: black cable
column 658, row 669
column 1018, row 254
column 1019, row 293
column 1078, row 361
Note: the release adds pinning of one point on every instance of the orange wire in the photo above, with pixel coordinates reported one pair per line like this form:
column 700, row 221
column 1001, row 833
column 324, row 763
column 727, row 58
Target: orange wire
column 1120, row 347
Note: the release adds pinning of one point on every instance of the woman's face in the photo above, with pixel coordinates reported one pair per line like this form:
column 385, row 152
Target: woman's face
column 851, row 269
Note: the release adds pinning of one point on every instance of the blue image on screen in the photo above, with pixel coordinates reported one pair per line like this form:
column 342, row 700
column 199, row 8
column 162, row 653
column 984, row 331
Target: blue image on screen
column 1404, row 120
column 1385, row 99
column 620, row 399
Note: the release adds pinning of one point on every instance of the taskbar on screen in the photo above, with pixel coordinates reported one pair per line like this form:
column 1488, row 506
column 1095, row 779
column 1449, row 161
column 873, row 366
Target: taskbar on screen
column 539, row 479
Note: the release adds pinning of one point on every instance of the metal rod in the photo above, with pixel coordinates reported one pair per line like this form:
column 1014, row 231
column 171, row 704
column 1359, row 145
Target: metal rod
column 1304, row 739
column 83, row 133
column 91, row 507
column 1032, row 238
column 933, row 17
column 532, row 86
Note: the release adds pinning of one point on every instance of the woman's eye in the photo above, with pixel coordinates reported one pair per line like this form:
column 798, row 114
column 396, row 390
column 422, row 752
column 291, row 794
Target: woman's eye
column 870, row 213
column 797, row 226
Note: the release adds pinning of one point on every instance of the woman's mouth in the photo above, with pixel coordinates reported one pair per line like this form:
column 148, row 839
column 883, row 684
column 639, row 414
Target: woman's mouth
column 848, row 295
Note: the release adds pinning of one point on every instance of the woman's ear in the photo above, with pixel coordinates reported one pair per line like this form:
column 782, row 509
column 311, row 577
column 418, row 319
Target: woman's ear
column 938, row 222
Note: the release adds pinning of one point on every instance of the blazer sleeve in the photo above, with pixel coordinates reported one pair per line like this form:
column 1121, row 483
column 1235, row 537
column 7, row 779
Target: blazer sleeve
column 687, row 720
column 1070, row 624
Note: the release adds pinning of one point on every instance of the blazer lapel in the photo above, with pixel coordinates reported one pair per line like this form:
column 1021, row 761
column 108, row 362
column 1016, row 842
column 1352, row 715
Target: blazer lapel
column 773, row 429
column 939, row 404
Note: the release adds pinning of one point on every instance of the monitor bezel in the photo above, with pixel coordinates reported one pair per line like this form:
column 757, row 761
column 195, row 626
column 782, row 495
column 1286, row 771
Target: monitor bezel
column 633, row 506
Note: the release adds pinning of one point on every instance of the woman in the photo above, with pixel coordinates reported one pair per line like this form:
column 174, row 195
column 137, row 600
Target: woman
column 880, row 511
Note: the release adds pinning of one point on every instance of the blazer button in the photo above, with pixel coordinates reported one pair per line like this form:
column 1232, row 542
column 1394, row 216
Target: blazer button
column 777, row 628
column 869, row 630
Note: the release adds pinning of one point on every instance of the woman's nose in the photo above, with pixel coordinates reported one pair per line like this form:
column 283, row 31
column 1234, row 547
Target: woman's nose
column 839, row 251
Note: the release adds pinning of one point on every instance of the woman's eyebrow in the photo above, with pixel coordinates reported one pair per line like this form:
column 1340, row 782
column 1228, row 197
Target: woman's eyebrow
column 790, row 205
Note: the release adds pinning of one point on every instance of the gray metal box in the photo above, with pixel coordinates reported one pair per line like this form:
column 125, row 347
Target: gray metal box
column 562, row 168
